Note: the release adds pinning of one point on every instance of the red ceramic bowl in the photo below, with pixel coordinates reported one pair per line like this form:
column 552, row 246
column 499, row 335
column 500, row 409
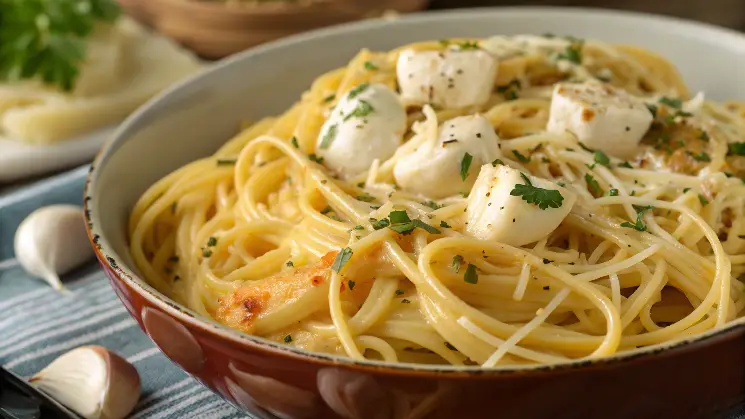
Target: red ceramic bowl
column 701, row 377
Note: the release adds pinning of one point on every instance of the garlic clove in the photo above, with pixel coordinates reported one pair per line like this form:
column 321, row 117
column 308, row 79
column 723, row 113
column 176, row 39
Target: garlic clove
column 52, row 241
column 92, row 381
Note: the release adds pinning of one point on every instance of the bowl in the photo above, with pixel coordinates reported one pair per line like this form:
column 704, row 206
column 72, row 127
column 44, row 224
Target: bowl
column 699, row 377
column 214, row 29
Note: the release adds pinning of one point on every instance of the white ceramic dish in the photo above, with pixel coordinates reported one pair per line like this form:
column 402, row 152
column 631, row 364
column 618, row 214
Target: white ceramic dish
column 194, row 118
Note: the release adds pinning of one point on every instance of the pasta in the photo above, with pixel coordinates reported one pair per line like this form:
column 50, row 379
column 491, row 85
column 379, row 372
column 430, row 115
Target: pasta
column 503, row 201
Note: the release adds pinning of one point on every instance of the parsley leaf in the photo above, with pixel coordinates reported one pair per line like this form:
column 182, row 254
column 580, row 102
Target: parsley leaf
column 402, row 224
column 357, row 90
column 626, row 165
column 363, row 109
column 329, row 98
column 703, row 156
column 510, row 90
column 370, row 66
column 471, row 276
column 294, row 143
column 328, row 138
column 593, row 185
column 573, row 52
column 544, row 198
column 652, row 109
column 671, row 102
column 431, row 204
column 443, row 224
column 468, row 45
column 702, row 199
column 639, row 225
column 736, row 149
column 455, row 265
column 601, row 158
column 378, row 224
column 520, row 157
column 341, row 259
column 465, row 164
column 613, row 192
column 496, row 162
column 365, row 197
column 46, row 40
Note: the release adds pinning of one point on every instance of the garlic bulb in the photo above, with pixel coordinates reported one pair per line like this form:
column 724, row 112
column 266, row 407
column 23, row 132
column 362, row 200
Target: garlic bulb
column 52, row 241
column 92, row 381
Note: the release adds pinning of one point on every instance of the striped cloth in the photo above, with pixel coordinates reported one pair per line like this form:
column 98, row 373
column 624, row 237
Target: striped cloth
column 38, row 324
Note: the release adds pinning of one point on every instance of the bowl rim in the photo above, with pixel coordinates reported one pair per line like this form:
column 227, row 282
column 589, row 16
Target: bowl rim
column 129, row 276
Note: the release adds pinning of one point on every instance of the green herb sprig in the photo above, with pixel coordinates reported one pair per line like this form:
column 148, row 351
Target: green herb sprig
column 46, row 39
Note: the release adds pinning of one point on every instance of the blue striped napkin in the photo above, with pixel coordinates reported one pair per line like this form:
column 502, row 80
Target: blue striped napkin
column 38, row 324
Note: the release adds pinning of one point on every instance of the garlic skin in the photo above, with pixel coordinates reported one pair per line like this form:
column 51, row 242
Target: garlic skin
column 52, row 241
column 92, row 381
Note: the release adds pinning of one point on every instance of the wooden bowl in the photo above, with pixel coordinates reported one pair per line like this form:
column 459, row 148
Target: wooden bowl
column 217, row 29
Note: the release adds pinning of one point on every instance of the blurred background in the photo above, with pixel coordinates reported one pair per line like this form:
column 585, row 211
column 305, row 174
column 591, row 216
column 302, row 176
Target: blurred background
column 215, row 28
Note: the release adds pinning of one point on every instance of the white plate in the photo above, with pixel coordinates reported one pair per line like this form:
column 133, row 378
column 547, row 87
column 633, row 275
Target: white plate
column 19, row 160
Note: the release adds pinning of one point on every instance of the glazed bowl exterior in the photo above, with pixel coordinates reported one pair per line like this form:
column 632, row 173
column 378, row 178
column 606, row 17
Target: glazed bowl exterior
column 699, row 378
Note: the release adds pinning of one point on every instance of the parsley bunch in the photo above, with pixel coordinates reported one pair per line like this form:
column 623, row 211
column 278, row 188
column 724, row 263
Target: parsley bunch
column 45, row 39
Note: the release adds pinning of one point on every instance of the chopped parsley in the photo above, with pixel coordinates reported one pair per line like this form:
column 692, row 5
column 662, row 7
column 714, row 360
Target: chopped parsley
column 402, row 224
column 703, row 156
column 543, row 198
column 351, row 284
column 510, row 90
column 226, row 162
column 702, row 199
column 431, row 204
column 328, row 138
column 520, row 157
column 639, row 225
column 601, row 158
column 212, row 242
column 685, row 190
column 378, row 224
column 399, row 292
column 358, row 227
column 671, row 102
column 593, row 185
column 496, row 162
column 573, row 53
column 405, row 301
column 465, row 164
column 468, row 45
column 626, row 165
column 329, row 98
column 443, row 224
column 341, row 259
column 736, row 149
column 294, row 143
column 288, row 339
column 370, row 66
column 289, row 264
column 314, row 158
column 704, row 136
column 365, row 197
column 363, row 109
column 652, row 109
column 471, row 276
column 613, row 192
column 357, row 90
column 455, row 265
column 206, row 253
